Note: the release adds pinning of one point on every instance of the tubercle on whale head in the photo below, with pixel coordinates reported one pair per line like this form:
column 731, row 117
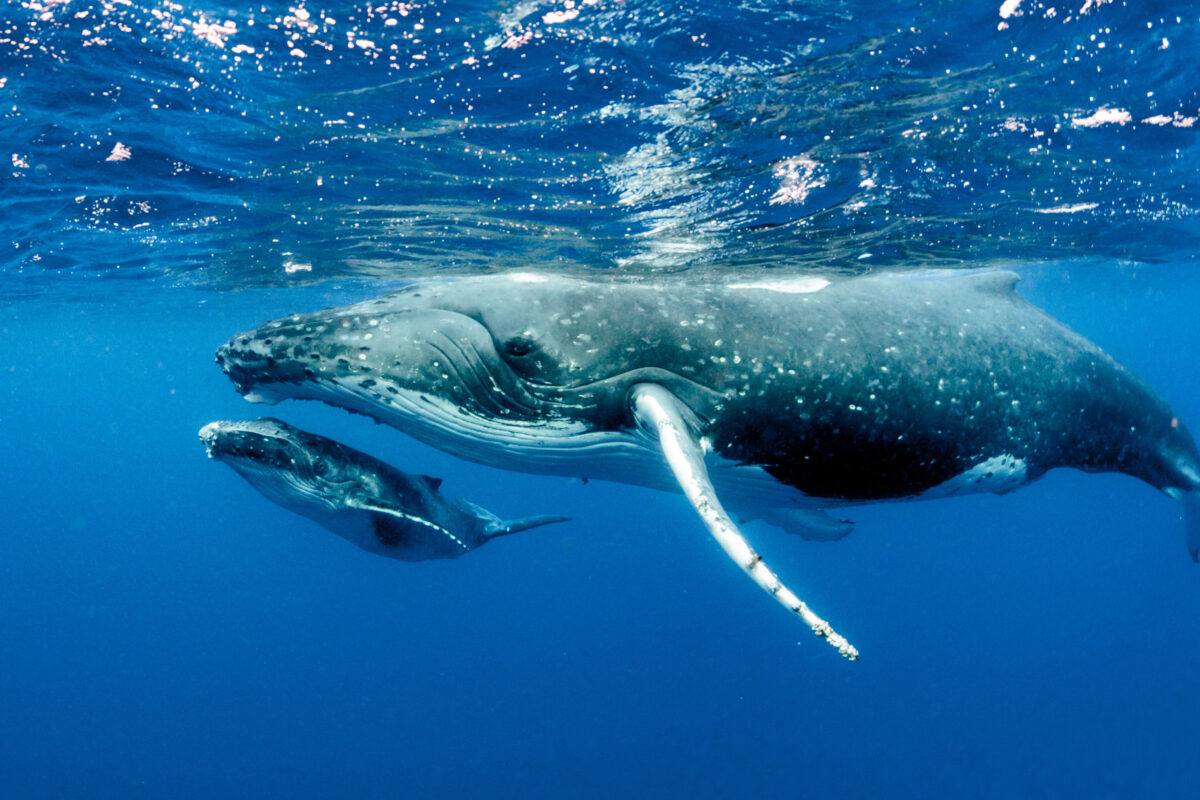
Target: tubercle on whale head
column 386, row 362
column 265, row 441
column 244, row 370
column 272, row 355
column 276, row 359
column 269, row 446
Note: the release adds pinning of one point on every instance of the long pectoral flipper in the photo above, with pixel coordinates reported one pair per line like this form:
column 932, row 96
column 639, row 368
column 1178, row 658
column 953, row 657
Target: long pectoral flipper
column 662, row 415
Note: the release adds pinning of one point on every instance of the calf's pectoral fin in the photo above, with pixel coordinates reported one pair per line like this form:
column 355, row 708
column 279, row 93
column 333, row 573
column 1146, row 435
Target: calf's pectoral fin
column 664, row 417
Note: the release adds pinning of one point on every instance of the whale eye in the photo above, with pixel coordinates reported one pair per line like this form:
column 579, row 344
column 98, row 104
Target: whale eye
column 519, row 346
column 320, row 468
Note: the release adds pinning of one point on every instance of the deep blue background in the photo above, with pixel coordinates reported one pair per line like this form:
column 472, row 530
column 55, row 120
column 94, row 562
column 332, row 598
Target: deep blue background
column 167, row 632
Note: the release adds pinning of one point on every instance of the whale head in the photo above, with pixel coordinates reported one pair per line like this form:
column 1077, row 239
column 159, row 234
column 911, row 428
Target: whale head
column 520, row 369
column 284, row 463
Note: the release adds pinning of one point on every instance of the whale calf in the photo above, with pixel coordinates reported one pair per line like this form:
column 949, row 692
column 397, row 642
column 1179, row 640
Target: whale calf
column 365, row 501
column 780, row 399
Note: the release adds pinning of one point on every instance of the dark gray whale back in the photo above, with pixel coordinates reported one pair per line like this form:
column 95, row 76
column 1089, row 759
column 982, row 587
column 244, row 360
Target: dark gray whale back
column 904, row 384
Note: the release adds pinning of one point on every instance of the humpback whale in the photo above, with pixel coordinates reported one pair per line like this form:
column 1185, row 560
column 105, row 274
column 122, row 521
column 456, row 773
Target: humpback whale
column 365, row 501
column 778, row 399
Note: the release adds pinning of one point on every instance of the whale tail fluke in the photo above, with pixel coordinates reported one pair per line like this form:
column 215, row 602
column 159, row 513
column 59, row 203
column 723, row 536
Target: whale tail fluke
column 1190, row 500
column 505, row 527
column 495, row 526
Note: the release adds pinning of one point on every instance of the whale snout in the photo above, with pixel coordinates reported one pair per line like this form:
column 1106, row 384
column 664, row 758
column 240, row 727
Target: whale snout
column 258, row 364
column 265, row 441
column 380, row 359
column 244, row 366
column 208, row 436
column 350, row 346
column 220, row 438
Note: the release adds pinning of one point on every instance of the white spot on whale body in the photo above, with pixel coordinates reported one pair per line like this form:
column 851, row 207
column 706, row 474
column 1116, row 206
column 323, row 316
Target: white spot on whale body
column 805, row 285
column 999, row 475
column 526, row 277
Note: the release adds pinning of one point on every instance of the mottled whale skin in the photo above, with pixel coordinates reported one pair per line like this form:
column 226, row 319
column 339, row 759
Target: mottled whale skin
column 863, row 389
column 365, row 501
column 792, row 395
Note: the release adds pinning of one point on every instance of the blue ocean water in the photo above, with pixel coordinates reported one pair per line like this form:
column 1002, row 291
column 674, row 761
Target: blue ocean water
column 175, row 173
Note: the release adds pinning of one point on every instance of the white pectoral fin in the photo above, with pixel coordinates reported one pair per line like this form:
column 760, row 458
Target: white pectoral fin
column 664, row 417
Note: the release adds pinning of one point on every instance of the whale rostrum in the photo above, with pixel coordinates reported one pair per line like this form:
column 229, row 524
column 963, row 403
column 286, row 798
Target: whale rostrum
column 778, row 400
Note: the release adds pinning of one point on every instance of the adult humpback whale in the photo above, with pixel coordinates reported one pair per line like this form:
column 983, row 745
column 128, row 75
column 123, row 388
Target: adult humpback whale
column 773, row 398
column 365, row 501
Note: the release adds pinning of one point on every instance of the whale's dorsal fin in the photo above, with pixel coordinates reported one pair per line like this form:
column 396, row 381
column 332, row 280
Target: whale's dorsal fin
column 991, row 281
column 1000, row 282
